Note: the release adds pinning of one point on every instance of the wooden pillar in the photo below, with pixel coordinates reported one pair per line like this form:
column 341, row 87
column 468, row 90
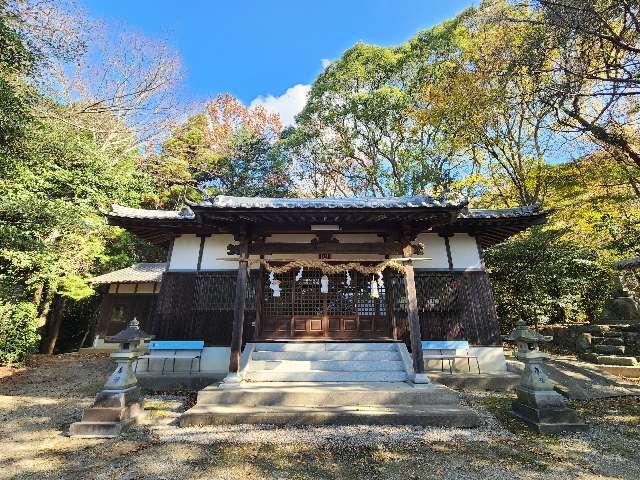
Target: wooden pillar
column 414, row 319
column 390, row 300
column 238, row 310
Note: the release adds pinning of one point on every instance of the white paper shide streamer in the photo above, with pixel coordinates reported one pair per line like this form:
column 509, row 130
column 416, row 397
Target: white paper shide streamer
column 274, row 284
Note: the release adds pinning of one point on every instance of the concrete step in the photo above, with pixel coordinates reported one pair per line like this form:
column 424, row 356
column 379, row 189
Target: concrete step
column 327, row 365
column 327, row 394
column 324, row 347
column 324, row 376
column 332, row 355
column 609, row 349
column 619, row 341
column 431, row 415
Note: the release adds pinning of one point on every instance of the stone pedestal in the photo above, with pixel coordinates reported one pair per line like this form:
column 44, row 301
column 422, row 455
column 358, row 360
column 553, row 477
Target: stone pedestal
column 111, row 413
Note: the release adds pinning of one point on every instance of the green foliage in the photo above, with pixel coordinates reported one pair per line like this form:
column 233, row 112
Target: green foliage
column 18, row 331
column 15, row 95
column 540, row 278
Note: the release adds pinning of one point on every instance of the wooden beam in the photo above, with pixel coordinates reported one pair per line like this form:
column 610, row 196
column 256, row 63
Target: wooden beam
column 332, row 246
column 239, row 305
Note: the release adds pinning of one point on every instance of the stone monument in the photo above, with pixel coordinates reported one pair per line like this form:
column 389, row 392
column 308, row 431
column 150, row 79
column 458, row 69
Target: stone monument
column 538, row 404
column 120, row 401
column 621, row 309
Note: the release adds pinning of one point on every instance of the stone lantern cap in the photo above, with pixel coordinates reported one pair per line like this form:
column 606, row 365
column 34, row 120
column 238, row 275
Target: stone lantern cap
column 130, row 334
column 522, row 333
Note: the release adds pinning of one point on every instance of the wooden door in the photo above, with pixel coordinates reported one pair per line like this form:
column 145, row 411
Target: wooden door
column 346, row 312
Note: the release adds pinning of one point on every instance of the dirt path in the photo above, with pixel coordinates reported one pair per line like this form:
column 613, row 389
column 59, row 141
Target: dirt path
column 38, row 404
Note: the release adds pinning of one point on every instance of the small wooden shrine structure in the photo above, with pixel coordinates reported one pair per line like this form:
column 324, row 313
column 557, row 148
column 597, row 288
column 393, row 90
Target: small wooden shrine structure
column 325, row 269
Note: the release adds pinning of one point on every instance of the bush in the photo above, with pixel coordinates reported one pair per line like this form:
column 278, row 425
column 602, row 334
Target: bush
column 540, row 277
column 18, row 331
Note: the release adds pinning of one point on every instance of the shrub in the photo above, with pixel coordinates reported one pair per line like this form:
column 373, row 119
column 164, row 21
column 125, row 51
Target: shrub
column 540, row 277
column 18, row 331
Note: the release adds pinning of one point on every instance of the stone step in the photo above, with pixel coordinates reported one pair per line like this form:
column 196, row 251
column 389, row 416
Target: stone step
column 111, row 414
column 618, row 341
column 609, row 349
column 327, row 394
column 332, row 355
column 616, row 360
column 327, row 365
column 324, row 347
column 431, row 415
column 324, row 376
column 98, row 429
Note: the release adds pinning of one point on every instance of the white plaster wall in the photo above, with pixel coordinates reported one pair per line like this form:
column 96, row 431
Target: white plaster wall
column 184, row 255
column 290, row 238
column 215, row 247
column 358, row 238
column 464, row 252
column 434, row 248
column 491, row 361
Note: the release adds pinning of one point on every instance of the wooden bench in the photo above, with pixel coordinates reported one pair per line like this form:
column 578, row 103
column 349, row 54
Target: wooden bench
column 174, row 350
column 454, row 345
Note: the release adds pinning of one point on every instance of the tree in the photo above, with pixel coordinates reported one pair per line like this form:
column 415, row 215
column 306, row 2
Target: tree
column 15, row 95
column 227, row 149
column 589, row 57
column 357, row 135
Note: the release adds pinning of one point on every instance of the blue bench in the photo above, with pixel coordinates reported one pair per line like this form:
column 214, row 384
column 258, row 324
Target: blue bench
column 174, row 350
column 455, row 345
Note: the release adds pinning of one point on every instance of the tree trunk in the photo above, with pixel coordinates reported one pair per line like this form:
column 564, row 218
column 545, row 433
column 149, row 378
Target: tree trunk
column 54, row 325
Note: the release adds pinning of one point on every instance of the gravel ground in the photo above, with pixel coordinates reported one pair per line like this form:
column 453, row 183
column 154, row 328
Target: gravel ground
column 38, row 403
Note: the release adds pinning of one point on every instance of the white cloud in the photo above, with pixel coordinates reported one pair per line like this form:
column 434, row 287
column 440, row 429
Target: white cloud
column 287, row 105
column 326, row 62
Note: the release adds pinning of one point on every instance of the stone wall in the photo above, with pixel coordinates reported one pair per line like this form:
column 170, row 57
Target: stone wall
column 581, row 338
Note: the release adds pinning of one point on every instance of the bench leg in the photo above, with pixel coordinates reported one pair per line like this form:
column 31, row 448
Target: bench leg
column 450, row 367
column 164, row 361
column 478, row 363
column 469, row 364
column 199, row 364
column 191, row 366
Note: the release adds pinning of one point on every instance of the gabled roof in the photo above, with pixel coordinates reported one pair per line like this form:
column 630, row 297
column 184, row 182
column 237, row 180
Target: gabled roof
column 138, row 272
column 445, row 215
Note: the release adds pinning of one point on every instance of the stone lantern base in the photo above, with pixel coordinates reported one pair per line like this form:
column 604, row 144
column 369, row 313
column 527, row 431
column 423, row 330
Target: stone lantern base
column 111, row 413
column 546, row 412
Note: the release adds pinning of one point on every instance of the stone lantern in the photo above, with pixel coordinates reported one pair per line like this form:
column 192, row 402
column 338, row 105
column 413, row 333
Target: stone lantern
column 120, row 401
column 538, row 404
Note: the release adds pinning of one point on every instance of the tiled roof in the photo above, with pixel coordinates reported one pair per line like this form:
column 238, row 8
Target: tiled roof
column 526, row 211
column 138, row 272
column 126, row 212
column 228, row 202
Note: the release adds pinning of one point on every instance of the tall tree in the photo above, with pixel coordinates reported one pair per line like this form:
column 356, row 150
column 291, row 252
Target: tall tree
column 356, row 134
column 593, row 77
column 226, row 149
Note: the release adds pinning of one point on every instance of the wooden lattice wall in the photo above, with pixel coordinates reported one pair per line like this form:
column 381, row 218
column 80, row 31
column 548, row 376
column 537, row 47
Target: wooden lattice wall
column 199, row 306
column 452, row 305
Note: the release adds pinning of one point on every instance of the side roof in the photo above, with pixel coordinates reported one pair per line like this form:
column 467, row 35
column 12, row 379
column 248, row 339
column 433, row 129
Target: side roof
column 138, row 272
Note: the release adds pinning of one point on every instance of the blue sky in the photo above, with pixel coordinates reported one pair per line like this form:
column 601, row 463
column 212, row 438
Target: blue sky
column 261, row 50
